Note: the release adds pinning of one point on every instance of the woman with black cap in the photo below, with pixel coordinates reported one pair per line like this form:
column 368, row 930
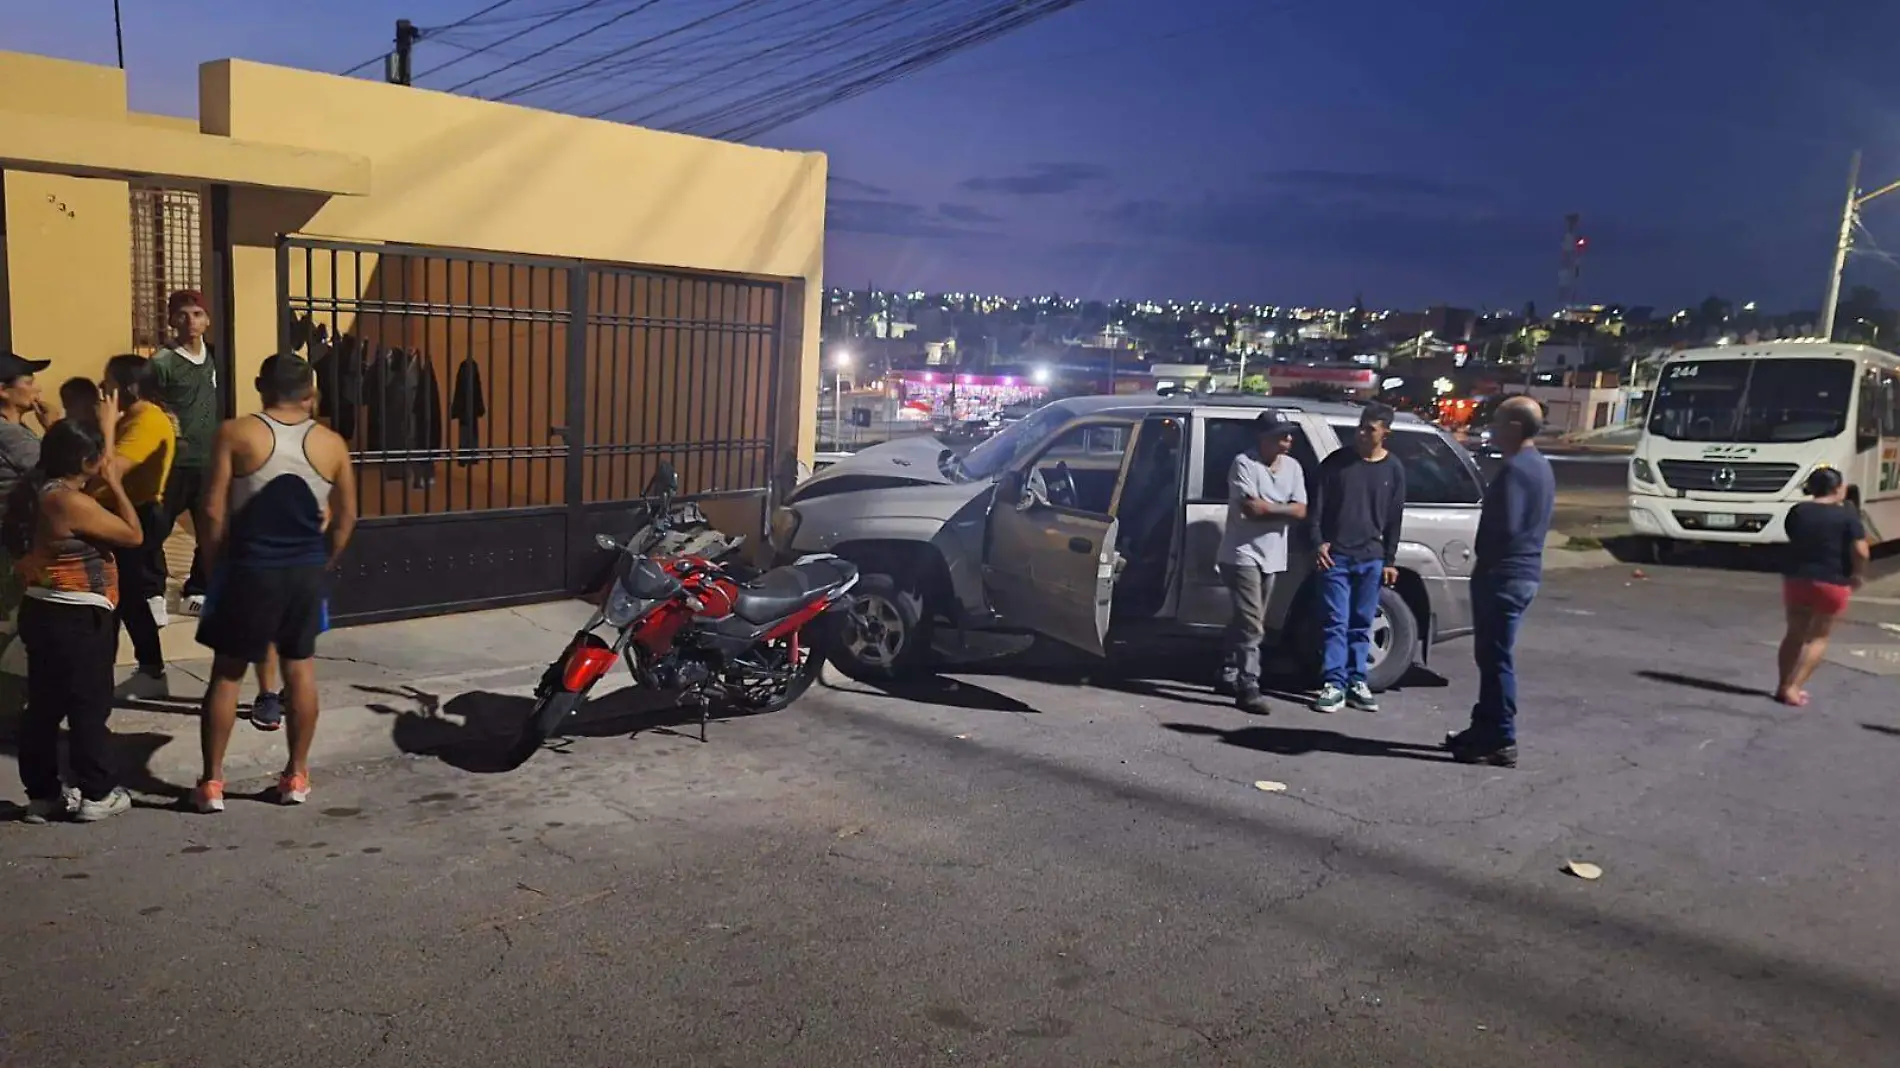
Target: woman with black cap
column 1827, row 560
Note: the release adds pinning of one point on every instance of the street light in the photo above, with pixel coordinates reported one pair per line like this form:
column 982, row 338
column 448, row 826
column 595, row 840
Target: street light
column 1039, row 375
column 842, row 363
column 1443, row 386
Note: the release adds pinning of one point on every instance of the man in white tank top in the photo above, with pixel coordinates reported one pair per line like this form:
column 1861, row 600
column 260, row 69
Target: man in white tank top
column 281, row 499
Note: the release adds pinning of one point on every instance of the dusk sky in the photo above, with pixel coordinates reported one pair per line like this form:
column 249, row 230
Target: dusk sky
column 1270, row 151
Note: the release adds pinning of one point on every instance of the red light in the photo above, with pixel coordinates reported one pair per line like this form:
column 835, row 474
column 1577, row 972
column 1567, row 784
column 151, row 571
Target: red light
column 1583, row 242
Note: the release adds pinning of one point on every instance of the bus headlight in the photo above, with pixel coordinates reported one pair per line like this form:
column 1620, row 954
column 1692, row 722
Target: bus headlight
column 1641, row 472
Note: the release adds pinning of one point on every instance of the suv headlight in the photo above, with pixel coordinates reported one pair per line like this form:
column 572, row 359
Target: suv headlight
column 1641, row 472
column 784, row 527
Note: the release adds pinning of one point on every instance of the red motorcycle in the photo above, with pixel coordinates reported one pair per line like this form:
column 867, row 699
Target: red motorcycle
column 684, row 622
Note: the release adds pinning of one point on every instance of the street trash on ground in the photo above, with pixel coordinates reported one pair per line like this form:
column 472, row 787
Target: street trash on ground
column 1270, row 786
column 963, row 737
column 1583, row 869
column 1639, row 573
column 850, row 830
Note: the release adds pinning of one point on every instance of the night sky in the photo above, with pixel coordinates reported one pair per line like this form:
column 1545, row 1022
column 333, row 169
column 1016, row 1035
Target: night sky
column 1278, row 152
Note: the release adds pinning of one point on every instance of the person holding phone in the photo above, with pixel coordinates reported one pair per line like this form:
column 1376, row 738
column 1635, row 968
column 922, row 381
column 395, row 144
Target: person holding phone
column 64, row 541
column 144, row 444
column 1827, row 561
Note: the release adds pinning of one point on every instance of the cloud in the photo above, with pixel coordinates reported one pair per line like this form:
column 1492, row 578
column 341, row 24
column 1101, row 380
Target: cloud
column 966, row 214
column 1365, row 184
column 898, row 218
column 852, row 185
column 1042, row 179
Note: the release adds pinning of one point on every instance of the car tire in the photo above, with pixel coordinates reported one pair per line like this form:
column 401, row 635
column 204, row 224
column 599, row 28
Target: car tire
column 886, row 634
column 1394, row 630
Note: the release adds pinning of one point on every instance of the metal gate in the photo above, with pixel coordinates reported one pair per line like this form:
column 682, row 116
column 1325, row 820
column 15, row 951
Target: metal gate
column 503, row 409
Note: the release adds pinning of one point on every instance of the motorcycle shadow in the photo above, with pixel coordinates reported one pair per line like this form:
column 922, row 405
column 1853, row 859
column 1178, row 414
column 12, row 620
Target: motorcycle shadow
column 476, row 732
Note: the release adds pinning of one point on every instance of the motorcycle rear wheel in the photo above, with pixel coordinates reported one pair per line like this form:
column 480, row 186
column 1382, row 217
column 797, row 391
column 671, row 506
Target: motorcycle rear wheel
column 746, row 691
column 550, row 711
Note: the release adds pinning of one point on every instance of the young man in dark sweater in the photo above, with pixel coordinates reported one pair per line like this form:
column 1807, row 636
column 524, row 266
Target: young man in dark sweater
column 1518, row 507
column 1355, row 522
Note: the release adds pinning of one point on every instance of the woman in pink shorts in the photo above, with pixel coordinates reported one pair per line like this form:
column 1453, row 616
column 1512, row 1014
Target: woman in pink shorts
column 1827, row 558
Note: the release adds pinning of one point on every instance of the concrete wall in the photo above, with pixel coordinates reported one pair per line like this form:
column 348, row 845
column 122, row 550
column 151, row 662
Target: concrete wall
column 460, row 173
column 68, row 273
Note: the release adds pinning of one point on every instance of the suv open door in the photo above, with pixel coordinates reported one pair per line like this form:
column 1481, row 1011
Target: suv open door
column 1049, row 559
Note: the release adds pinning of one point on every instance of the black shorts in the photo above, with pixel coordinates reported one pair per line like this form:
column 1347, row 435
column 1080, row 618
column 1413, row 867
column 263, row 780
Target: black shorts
column 249, row 609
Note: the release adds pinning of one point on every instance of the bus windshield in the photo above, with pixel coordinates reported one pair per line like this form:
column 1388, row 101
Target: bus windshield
column 1757, row 401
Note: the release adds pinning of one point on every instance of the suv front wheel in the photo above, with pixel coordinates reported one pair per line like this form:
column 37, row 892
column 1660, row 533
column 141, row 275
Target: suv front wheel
column 886, row 636
column 1394, row 641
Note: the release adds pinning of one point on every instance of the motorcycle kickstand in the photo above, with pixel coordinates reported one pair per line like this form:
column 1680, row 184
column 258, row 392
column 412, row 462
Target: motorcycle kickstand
column 705, row 713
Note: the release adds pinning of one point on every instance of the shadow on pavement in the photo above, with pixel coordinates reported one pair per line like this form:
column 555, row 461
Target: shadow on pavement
column 950, row 693
column 1711, row 685
column 1300, row 741
column 1881, row 728
column 131, row 760
column 474, row 732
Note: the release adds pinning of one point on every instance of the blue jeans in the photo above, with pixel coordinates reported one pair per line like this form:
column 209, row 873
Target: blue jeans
column 1497, row 607
column 1350, row 592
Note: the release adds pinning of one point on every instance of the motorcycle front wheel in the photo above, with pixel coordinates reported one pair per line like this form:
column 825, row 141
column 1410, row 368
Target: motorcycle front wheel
column 550, row 711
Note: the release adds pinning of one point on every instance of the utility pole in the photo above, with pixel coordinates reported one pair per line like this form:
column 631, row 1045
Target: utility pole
column 118, row 33
column 1850, row 214
column 398, row 70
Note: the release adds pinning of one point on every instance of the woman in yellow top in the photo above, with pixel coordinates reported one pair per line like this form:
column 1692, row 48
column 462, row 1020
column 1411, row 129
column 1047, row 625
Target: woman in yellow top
column 144, row 444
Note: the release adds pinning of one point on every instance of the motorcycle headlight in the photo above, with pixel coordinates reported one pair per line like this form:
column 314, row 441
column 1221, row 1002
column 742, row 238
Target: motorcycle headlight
column 784, row 527
column 1641, row 471
column 622, row 606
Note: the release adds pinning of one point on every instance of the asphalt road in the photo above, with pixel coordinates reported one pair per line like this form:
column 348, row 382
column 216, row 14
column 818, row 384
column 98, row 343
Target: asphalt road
column 1053, row 871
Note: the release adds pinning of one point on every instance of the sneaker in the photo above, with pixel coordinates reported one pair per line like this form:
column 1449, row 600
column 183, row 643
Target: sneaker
column 108, row 806
column 1493, row 755
column 1250, row 700
column 161, row 611
column 48, row 809
column 1359, row 696
column 194, row 605
column 293, row 789
column 267, row 712
column 143, row 686
column 208, row 796
column 1330, row 698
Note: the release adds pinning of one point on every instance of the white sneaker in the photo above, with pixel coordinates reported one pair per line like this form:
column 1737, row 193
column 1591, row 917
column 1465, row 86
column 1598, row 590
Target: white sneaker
column 58, row 808
column 110, row 805
column 143, row 686
column 161, row 611
column 194, row 605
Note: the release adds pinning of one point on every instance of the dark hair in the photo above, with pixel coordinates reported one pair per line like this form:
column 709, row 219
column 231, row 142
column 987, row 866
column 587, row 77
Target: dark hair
column 1377, row 412
column 286, row 379
column 82, row 389
column 1822, row 481
column 133, row 377
column 68, row 447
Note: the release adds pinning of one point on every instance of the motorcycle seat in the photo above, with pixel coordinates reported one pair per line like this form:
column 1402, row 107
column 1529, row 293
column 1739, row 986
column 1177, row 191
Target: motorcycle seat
column 784, row 590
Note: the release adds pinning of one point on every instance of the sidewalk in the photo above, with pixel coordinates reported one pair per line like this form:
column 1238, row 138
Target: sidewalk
column 411, row 687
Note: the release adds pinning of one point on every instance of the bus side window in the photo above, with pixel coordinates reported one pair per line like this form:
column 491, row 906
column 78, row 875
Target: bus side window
column 1890, row 414
column 1872, row 411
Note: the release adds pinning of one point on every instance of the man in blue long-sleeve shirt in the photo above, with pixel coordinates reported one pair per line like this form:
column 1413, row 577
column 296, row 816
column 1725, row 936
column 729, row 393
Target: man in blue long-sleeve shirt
column 1355, row 521
column 1511, row 530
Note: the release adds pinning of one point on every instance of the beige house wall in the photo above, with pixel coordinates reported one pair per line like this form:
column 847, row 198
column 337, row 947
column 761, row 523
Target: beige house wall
column 442, row 170
column 460, row 173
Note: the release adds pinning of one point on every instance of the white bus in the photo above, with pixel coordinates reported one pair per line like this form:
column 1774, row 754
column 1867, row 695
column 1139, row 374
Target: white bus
column 1733, row 431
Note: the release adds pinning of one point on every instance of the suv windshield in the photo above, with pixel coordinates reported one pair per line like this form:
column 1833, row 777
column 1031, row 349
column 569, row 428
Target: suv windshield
column 1752, row 400
column 990, row 458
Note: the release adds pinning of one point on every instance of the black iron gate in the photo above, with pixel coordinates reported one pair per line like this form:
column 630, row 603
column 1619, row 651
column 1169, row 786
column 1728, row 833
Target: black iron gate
column 503, row 409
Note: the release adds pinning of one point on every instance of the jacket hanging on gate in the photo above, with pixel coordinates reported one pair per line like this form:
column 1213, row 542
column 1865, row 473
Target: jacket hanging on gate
column 339, row 368
column 466, row 409
column 426, row 404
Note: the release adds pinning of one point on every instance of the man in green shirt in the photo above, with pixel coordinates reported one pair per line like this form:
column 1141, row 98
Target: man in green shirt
column 188, row 383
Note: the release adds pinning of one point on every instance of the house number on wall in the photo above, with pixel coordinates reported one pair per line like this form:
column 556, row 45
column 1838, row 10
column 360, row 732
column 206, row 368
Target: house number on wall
column 60, row 206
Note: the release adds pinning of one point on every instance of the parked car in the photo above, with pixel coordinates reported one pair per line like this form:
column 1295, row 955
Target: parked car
column 1097, row 521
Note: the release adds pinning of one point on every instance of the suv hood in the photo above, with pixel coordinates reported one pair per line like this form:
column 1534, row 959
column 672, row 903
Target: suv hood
column 920, row 459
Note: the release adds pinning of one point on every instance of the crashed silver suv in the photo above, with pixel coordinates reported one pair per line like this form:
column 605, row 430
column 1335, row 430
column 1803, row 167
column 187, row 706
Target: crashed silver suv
column 1097, row 522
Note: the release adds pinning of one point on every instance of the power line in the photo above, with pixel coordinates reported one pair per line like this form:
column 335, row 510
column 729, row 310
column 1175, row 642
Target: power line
column 530, row 57
column 516, row 36
column 378, row 58
column 578, row 67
